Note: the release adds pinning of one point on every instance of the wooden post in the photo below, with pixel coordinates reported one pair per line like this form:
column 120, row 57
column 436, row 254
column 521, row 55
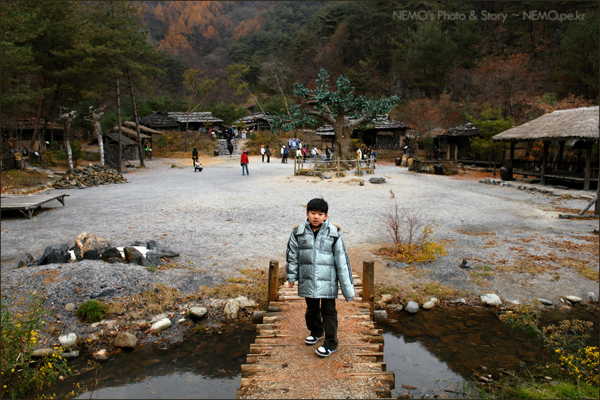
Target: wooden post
column 368, row 281
column 295, row 163
column 588, row 168
column 315, row 167
column 357, row 165
column 273, row 281
column 338, row 166
column 544, row 161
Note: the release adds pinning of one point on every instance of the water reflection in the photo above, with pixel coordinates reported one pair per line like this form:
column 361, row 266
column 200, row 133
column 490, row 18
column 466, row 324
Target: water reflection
column 434, row 352
column 202, row 367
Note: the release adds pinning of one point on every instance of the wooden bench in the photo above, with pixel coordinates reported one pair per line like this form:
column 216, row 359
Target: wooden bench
column 26, row 205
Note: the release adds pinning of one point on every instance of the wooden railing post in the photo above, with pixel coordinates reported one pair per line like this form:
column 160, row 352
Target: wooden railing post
column 368, row 281
column 273, row 281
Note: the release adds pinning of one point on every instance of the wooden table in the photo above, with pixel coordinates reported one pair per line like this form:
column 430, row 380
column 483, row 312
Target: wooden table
column 28, row 204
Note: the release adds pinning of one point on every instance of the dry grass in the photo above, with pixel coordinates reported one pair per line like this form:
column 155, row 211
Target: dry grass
column 15, row 179
column 582, row 268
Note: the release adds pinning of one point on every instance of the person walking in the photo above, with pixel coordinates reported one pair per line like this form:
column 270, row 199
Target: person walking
column 262, row 152
column 244, row 161
column 195, row 156
column 268, row 154
column 316, row 258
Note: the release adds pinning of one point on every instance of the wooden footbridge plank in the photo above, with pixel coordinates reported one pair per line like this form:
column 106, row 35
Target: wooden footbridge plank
column 280, row 365
column 26, row 205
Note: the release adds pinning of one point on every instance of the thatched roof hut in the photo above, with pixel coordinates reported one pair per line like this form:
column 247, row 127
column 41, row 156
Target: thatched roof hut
column 258, row 120
column 160, row 120
column 561, row 126
column 204, row 117
column 576, row 123
column 131, row 133
column 467, row 129
column 380, row 132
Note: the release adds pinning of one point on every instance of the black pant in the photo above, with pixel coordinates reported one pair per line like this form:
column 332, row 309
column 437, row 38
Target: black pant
column 322, row 318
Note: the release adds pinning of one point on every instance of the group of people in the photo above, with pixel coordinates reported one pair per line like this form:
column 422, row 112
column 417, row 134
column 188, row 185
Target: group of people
column 364, row 154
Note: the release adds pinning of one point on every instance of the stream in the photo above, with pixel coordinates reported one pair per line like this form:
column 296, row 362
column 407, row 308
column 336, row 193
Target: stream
column 433, row 353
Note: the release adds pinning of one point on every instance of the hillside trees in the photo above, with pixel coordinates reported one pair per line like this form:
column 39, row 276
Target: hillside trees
column 336, row 105
column 490, row 123
column 117, row 49
column 197, row 89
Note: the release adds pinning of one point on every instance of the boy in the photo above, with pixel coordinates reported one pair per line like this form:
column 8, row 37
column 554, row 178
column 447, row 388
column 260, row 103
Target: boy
column 317, row 259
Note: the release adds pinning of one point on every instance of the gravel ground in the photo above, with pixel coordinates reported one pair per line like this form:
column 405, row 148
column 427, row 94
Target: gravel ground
column 222, row 222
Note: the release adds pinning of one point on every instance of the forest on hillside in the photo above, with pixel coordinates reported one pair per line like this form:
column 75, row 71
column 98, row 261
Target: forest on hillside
column 443, row 59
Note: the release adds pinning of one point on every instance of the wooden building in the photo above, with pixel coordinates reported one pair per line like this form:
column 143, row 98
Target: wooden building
column 380, row 133
column 22, row 129
column 170, row 121
column 454, row 144
column 258, row 121
column 574, row 130
column 129, row 149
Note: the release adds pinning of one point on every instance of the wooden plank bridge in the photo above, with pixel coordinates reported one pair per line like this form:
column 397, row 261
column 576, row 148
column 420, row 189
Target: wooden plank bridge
column 281, row 365
column 26, row 205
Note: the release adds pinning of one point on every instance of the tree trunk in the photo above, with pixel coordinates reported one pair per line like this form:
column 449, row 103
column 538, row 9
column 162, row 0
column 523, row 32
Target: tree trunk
column 137, row 125
column 36, row 127
column 98, row 130
column 67, row 144
column 187, row 121
column 120, row 128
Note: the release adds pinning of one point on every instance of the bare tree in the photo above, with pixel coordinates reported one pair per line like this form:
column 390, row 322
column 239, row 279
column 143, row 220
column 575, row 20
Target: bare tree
column 68, row 117
column 96, row 114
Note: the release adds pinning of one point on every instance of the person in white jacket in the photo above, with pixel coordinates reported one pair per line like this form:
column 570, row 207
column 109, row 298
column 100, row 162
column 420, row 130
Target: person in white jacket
column 316, row 258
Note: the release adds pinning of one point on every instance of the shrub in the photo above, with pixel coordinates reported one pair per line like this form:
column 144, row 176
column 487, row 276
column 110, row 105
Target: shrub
column 23, row 377
column 92, row 311
column 413, row 239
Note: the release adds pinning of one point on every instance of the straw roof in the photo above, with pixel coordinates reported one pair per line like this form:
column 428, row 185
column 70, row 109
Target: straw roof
column 130, row 133
column 253, row 118
column 205, row 116
column 576, row 123
column 160, row 120
column 463, row 130
column 381, row 123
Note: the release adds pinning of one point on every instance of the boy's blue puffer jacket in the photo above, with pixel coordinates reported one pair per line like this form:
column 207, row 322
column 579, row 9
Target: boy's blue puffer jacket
column 318, row 264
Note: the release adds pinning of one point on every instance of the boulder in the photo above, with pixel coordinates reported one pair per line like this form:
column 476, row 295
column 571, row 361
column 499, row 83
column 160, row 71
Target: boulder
column 101, row 354
column 68, row 340
column 412, row 307
column 112, row 255
column 231, row 309
column 56, row 254
column 161, row 325
column 545, row 302
column 152, row 258
column 125, row 339
column 385, row 299
column 490, row 299
column 71, row 354
column 165, row 252
column 198, row 312
column 26, row 260
column 245, row 302
column 45, row 352
column 377, row 180
column 134, row 256
column 92, row 255
column 591, row 296
column 428, row 305
column 85, row 242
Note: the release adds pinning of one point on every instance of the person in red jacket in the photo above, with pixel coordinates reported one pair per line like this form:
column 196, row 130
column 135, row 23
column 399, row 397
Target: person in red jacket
column 244, row 162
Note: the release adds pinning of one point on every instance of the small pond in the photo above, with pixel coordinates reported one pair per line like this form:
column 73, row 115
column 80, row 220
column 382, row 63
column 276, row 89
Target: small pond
column 432, row 354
